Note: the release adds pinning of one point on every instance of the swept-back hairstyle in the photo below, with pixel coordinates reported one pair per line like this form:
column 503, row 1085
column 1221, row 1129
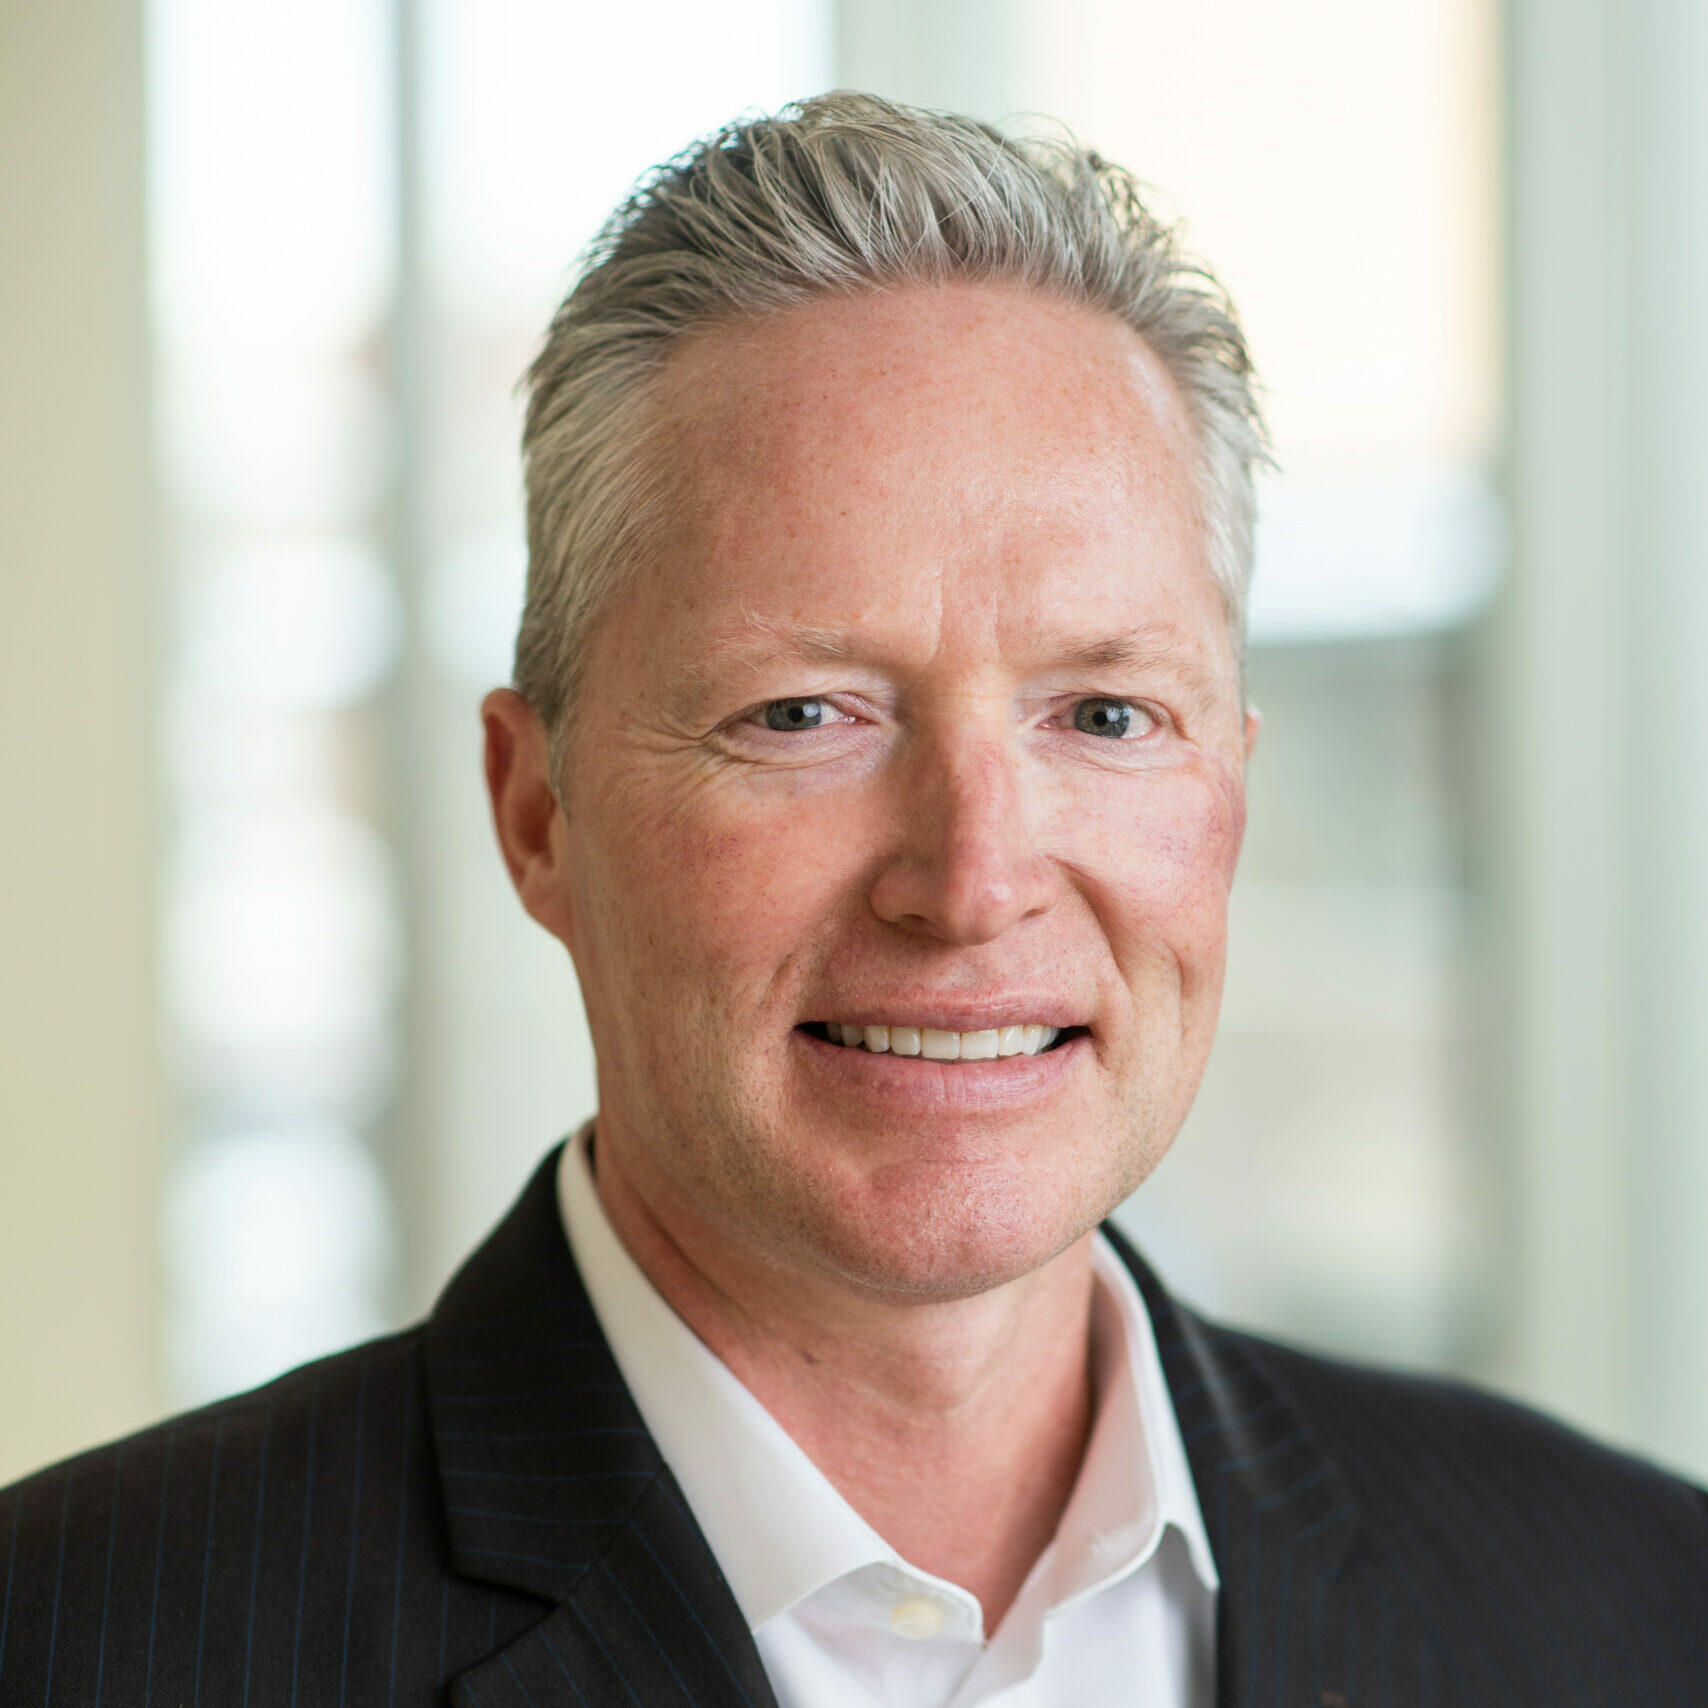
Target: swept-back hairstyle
column 840, row 194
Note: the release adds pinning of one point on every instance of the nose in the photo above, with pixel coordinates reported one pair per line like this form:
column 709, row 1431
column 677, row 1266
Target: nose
column 967, row 866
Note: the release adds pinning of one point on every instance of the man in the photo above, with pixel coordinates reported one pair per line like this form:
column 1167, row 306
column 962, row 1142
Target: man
column 876, row 750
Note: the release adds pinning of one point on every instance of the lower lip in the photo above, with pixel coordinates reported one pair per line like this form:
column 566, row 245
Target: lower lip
column 913, row 1082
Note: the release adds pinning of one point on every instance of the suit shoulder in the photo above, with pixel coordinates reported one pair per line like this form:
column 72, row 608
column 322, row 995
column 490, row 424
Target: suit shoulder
column 327, row 1388
column 123, row 1528
column 1428, row 1441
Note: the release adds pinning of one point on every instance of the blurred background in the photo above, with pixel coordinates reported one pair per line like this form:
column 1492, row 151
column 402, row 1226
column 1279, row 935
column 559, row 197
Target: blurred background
column 278, row 1044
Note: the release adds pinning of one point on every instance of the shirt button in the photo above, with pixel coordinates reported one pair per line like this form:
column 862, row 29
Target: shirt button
column 916, row 1617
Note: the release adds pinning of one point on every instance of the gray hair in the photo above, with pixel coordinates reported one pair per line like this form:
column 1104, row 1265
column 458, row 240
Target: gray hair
column 839, row 194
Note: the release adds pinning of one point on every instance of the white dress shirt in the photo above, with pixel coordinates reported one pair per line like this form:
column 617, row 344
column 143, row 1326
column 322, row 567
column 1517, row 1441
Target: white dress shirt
column 1120, row 1608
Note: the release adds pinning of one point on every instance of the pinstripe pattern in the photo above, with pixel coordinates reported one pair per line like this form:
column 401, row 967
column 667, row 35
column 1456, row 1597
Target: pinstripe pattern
column 472, row 1512
column 186, row 1554
column 1386, row 1541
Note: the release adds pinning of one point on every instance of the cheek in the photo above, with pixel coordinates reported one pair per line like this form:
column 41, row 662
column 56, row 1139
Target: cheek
column 721, row 889
column 1157, row 852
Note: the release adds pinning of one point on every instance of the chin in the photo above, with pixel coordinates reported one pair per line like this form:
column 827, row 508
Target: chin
column 949, row 1239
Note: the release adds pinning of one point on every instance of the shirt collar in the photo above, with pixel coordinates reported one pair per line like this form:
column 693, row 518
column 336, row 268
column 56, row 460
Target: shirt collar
column 1136, row 1438
column 777, row 1526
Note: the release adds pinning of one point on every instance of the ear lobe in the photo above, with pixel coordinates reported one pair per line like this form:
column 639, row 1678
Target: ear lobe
column 1253, row 729
column 525, row 813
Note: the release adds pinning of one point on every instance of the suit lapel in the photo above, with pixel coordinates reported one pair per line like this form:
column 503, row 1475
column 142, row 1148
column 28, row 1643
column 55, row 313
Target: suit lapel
column 1301, row 1621
column 651, row 1621
column 553, row 1485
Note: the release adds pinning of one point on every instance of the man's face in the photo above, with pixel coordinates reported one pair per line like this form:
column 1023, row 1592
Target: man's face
column 924, row 716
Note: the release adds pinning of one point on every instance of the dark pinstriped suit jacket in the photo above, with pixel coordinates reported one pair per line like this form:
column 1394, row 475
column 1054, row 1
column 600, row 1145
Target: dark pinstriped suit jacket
column 472, row 1512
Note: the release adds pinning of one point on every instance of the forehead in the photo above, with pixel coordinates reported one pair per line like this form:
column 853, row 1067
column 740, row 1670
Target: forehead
column 970, row 457
column 886, row 387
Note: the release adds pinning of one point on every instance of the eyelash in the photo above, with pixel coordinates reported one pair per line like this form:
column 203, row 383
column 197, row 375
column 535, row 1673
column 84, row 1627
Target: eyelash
column 758, row 716
column 762, row 713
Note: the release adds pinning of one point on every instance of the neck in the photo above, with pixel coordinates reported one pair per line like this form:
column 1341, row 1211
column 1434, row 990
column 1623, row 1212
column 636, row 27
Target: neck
column 955, row 1428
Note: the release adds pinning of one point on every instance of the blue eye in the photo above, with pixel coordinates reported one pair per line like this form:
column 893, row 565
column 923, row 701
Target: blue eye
column 1103, row 717
column 796, row 714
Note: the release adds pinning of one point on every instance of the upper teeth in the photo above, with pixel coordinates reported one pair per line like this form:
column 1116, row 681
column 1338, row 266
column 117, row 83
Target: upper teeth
column 939, row 1046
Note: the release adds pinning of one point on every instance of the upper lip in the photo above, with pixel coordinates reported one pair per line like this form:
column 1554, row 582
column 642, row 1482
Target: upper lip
column 954, row 1014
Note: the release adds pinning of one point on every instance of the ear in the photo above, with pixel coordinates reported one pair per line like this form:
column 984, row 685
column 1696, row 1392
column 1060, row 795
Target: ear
column 1253, row 729
column 532, row 834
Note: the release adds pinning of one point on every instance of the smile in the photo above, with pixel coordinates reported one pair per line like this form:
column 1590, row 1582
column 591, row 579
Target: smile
column 937, row 1045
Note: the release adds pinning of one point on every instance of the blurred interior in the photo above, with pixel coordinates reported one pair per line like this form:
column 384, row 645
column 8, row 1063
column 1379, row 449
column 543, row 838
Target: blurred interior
column 279, row 1044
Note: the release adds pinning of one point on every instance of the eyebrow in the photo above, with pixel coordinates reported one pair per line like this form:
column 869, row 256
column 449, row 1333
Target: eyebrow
column 1149, row 647
column 810, row 641
column 1138, row 649
column 744, row 647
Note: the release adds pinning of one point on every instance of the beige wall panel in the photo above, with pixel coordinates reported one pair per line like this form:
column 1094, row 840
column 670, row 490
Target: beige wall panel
column 80, row 1083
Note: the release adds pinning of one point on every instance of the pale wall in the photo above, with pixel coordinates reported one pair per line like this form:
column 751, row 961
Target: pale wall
column 80, row 1085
